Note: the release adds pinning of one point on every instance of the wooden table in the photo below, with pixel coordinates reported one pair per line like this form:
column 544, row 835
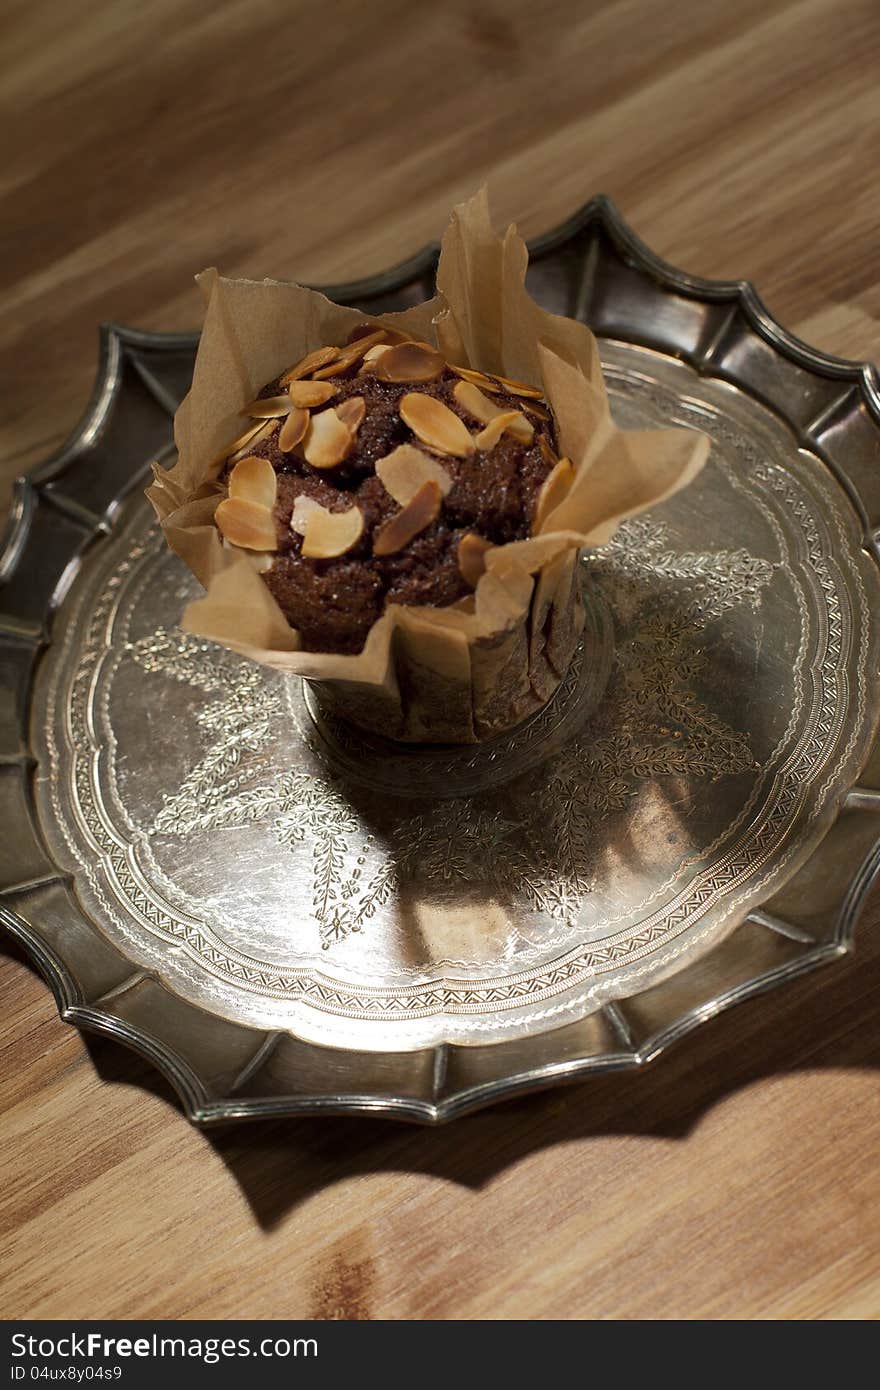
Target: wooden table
column 737, row 1176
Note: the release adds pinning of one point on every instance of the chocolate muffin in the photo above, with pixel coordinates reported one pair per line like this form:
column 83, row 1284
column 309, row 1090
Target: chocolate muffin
column 377, row 473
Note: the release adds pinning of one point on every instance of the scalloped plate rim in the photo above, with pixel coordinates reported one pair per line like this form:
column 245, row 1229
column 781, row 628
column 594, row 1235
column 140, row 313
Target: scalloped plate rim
column 198, row 1105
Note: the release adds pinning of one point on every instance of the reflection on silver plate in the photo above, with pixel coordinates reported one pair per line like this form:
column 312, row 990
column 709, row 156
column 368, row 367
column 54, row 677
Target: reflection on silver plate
column 288, row 915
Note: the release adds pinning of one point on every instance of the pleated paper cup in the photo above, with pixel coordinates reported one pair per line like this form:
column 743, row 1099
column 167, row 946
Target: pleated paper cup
column 436, row 675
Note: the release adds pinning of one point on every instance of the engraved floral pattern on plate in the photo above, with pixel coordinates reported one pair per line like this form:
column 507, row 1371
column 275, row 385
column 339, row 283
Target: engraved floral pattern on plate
column 212, row 830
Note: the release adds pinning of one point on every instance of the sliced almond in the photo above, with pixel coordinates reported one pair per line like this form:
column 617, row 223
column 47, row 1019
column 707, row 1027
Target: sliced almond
column 352, row 412
column 498, row 425
column 331, row 533
column 254, row 479
column 263, row 431
column 374, row 353
column 310, row 363
column 336, row 368
column 246, row 524
column 350, row 355
column 437, row 453
column 547, row 450
column 471, row 399
column 421, row 510
column 472, row 557
column 306, row 394
column 327, row 440
column 360, row 330
column 486, row 383
column 554, row 490
column 293, row 429
column 261, row 561
column 303, row 508
column 522, row 429
column 519, row 388
column 435, row 424
column 356, row 349
column 238, row 444
column 405, row 469
column 391, row 335
column 269, row 408
column 410, row 362
column 536, row 408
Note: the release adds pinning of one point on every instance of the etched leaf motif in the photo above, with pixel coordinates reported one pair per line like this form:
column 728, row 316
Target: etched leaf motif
column 453, row 842
column 361, row 900
column 221, row 792
column 704, row 586
column 214, row 793
column 659, row 727
column 533, row 844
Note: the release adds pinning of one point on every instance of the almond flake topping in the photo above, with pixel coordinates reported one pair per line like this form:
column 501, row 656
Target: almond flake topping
column 310, row 363
column 421, row 510
column 351, row 412
column 521, row 428
column 471, row 399
column 519, row 388
column 328, row 534
column 348, row 356
column 327, row 440
column 508, row 420
column 302, row 510
column 435, row 424
column 363, row 330
column 547, row 450
column 306, row 394
column 246, row 524
column 264, row 429
column 486, row 383
column 269, row 408
column 237, row 444
column 472, row 557
column 293, row 429
column 374, row 353
column 254, row 480
column 410, row 362
column 536, row 408
column 405, row 469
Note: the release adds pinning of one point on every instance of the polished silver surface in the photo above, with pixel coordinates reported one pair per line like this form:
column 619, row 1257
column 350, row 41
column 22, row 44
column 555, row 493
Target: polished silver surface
column 287, row 915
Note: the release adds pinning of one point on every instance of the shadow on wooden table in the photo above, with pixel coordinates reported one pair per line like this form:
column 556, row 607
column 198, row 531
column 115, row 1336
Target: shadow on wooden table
column 830, row 1019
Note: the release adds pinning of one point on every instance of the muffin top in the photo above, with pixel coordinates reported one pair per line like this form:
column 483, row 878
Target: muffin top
column 377, row 473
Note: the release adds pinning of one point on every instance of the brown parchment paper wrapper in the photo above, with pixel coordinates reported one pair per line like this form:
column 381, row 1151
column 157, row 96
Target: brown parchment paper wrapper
column 425, row 674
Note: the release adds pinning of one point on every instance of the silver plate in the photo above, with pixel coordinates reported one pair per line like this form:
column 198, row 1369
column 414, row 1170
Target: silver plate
column 288, row 916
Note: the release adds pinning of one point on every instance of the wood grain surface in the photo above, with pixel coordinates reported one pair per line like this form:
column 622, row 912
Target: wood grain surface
column 737, row 1176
